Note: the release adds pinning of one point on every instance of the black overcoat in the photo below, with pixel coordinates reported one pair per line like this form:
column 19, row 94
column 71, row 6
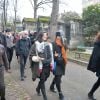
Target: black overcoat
column 94, row 62
column 59, row 67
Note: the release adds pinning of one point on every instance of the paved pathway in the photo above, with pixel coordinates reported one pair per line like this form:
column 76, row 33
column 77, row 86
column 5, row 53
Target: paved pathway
column 76, row 84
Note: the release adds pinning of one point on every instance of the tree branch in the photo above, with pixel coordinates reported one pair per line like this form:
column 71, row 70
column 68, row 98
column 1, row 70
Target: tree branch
column 1, row 4
column 42, row 8
column 48, row 5
column 31, row 4
column 43, row 2
column 63, row 3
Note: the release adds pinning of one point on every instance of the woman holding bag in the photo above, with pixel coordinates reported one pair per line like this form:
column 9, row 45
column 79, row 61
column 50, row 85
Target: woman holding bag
column 60, row 61
column 41, row 69
column 34, row 58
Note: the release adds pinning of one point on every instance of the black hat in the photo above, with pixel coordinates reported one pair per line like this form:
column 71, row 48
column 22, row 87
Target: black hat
column 58, row 34
column 7, row 30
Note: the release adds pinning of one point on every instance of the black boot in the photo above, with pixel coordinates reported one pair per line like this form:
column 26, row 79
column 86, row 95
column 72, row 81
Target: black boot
column 90, row 96
column 3, row 94
column 3, row 99
column 94, row 88
column 44, row 94
column 52, row 89
column 38, row 91
column 61, row 96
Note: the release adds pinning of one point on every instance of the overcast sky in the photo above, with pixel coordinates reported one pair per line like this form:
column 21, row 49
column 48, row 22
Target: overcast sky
column 25, row 8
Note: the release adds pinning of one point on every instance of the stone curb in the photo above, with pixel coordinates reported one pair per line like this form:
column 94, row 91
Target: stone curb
column 83, row 63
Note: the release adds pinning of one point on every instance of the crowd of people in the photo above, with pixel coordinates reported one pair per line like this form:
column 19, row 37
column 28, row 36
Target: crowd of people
column 44, row 56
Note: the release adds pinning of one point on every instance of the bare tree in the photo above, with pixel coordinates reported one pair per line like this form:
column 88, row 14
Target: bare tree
column 54, row 18
column 4, row 15
column 4, row 7
column 36, row 4
column 15, row 14
column 1, row 4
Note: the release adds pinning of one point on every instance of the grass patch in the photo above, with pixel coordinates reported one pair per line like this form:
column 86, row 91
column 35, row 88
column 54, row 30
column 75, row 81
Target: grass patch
column 83, row 57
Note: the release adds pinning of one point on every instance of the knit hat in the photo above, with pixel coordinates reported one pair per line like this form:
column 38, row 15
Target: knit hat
column 58, row 34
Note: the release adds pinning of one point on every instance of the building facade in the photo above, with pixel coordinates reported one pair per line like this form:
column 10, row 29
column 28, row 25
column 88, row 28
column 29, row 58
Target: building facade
column 29, row 24
column 71, row 31
column 86, row 3
column 76, row 38
column 39, row 24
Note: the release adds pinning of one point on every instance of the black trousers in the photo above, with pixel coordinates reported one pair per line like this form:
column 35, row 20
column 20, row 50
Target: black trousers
column 2, row 84
column 43, row 77
column 57, row 81
column 2, row 93
column 9, row 55
column 23, row 60
column 95, row 86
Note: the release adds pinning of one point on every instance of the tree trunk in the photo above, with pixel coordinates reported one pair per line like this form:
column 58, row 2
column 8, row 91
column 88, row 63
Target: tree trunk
column 2, row 21
column 54, row 18
column 4, row 15
column 5, row 8
column 15, row 23
column 15, row 10
column 35, row 8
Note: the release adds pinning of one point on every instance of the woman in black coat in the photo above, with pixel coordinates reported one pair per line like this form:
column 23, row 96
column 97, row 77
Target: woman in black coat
column 41, row 71
column 60, row 60
column 94, row 66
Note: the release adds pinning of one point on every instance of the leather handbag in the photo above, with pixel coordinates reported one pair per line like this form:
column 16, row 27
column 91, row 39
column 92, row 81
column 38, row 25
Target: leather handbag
column 59, row 59
column 36, row 58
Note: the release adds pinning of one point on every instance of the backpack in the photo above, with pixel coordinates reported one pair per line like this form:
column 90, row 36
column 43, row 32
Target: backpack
column 47, row 55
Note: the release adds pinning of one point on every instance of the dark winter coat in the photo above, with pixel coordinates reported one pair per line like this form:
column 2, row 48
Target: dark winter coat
column 59, row 66
column 34, row 65
column 94, row 63
column 32, row 38
column 23, row 46
column 3, row 62
column 3, row 37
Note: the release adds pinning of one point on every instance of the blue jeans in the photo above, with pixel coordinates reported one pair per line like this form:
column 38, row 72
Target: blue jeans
column 23, row 60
